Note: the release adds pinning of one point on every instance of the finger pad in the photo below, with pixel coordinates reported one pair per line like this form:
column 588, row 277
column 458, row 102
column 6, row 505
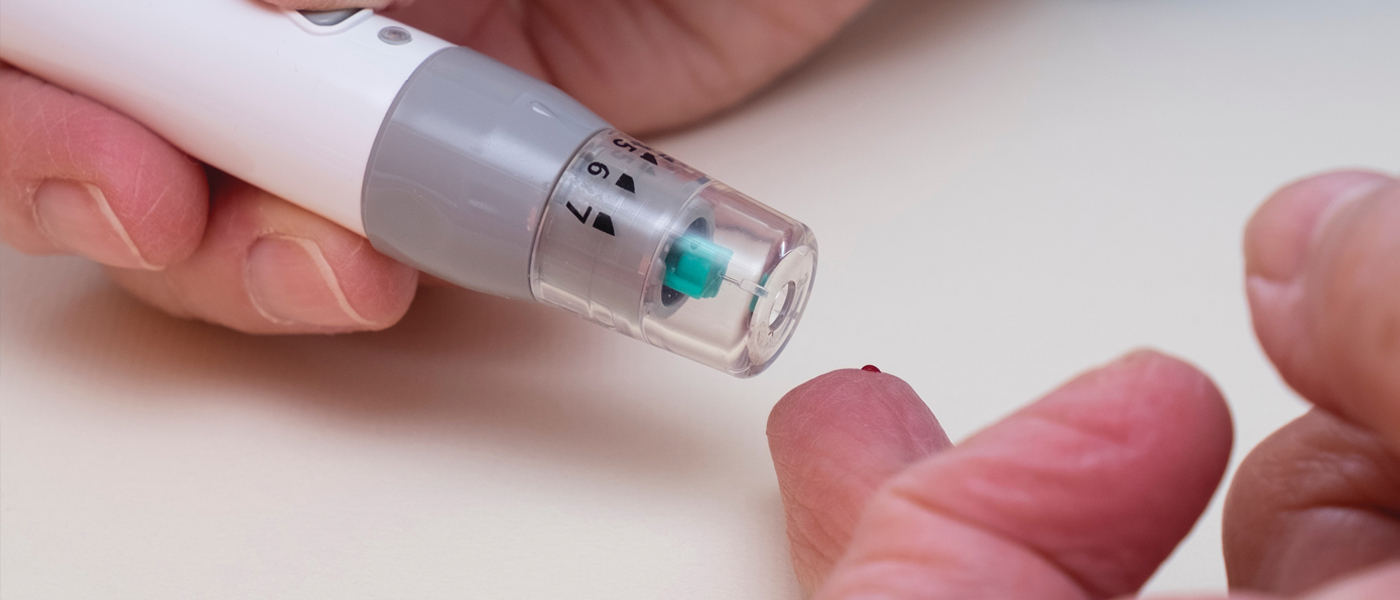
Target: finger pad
column 854, row 408
column 835, row 440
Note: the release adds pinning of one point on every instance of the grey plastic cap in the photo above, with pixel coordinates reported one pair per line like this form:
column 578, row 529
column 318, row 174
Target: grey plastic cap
column 463, row 167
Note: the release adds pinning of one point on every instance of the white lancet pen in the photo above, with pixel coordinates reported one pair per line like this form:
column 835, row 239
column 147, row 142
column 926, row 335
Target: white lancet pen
column 444, row 159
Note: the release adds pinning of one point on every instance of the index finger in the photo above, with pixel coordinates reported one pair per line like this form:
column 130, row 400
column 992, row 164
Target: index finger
column 1080, row 495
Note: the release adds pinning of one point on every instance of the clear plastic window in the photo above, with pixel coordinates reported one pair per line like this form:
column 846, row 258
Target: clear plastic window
column 636, row 241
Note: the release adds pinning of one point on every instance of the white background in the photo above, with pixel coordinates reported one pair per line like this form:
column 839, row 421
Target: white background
column 1006, row 192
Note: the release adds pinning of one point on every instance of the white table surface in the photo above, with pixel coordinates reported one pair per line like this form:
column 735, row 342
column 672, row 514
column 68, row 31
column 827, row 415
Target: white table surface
column 1006, row 193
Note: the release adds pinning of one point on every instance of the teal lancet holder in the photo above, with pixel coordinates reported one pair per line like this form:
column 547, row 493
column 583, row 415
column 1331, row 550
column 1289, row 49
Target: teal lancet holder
column 696, row 266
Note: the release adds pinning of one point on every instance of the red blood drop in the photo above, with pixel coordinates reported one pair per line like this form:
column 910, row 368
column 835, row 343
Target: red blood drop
column 871, row 368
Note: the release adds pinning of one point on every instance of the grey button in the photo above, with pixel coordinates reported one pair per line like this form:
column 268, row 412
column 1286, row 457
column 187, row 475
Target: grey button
column 395, row 36
column 329, row 18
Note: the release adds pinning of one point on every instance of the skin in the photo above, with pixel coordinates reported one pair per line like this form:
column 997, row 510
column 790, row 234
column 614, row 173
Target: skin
column 1084, row 493
column 1080, row 495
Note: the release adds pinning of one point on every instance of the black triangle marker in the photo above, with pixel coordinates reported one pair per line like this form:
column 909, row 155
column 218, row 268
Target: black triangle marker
column 625, row 182
column 649, row 158
column 604, row 224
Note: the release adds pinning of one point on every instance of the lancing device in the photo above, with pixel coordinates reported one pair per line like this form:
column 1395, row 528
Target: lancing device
column 445, row 159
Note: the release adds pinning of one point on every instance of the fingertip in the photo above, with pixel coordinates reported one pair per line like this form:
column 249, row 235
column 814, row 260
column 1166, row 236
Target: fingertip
column 380, row 289
column 301, row 282
column 1153, row 395
column 835, row 440
column 269, row 267
column 850, row 416
column 78, row 177
column 1281, row 230
column 1324, row 292
column 880, row 405
column 78, row 218
column 1159, row 417
column 154, row 193
column 303, row 273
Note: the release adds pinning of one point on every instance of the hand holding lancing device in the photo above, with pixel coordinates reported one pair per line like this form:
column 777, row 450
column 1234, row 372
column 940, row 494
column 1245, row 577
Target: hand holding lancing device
column 79, row 178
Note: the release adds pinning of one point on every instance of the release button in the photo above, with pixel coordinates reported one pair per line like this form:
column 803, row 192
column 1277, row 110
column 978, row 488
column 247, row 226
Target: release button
column 329, row 18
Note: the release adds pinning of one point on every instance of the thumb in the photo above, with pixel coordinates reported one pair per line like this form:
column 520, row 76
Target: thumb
column 1323, row 262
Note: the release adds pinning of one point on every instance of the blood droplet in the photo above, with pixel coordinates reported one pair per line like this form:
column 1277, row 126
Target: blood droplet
column 871, row 368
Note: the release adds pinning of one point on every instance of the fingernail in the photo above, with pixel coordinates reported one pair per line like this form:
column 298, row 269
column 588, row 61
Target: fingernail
column 77, row 217
column 1281, row 234
column 290, row 283
column 871, row 368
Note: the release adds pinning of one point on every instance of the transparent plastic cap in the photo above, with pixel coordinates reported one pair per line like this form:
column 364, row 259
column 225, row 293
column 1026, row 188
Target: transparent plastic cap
column 638, row 242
